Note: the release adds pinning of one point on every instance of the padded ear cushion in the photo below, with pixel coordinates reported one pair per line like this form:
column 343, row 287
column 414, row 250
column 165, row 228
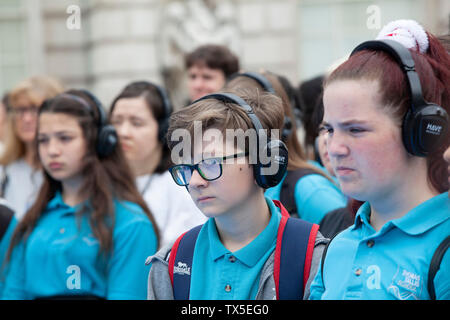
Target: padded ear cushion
column 425, row 130
column 163, row 127
column 107, row 141
column 270, row 172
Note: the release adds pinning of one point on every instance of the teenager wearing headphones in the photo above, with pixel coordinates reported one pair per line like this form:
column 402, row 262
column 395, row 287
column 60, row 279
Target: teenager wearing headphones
column 386, row 113
column 140, row 114
column 89, row 232
column 306, row 191
column 235, row 254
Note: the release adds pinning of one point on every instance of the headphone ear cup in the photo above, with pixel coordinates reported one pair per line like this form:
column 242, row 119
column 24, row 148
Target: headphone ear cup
column 408, row 132
column 107, row 141
column 270, row 174
column 163, row 127
column 425, row 130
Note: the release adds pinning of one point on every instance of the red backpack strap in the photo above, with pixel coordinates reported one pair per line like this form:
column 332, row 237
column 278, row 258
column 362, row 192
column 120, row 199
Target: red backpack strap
column 293, row 255
column 180, row 263
column 173, row 254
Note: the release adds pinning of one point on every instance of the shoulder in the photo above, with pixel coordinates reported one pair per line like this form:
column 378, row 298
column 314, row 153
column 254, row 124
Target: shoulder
column 127, row 212
column 314, row 180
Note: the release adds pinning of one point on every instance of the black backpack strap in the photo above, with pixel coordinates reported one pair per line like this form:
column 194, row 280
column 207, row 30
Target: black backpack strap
column 287, row 197
column 6, row 215
column 180, row 263
column 435, row 264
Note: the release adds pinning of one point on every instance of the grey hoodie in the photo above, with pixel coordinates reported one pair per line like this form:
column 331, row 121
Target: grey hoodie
column 160, row 287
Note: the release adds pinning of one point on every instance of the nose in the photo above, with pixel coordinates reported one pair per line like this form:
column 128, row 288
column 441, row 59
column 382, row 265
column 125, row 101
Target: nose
column 123, row 130
column 336, row 146
column 53, row 149
column 197, row 181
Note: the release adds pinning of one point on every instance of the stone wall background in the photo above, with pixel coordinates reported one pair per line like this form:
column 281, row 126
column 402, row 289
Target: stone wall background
column 120, row 41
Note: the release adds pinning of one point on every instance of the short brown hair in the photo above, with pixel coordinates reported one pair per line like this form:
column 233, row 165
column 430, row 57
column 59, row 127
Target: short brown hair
column 214, row 57
column 213, row 113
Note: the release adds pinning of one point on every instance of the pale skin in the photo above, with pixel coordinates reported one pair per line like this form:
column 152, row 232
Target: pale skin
column 62, row 148
column 447, row 159
column 137, row 129
column 203, row 80
column 25, row 127
column 367, row 154
column 239, row 209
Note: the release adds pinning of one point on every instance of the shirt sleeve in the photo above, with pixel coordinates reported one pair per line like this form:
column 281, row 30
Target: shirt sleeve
column 315, row 196
column 14, row 288
column 127, row 272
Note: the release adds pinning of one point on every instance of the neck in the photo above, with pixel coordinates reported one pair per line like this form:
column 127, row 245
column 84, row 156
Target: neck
column 148, row 165
column 394, row 205
column 243, row 224
column 71, row 191
column 30, row 155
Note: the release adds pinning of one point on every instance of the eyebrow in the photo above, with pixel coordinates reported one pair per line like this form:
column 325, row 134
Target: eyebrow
column 345, row 123
column 58, row 133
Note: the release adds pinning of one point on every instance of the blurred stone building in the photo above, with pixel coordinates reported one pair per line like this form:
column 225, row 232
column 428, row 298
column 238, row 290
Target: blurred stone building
column 104, row 44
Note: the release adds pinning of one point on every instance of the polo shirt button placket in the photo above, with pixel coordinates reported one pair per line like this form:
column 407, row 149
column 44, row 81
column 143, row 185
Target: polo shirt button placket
column 232, row 259
column 370, row 243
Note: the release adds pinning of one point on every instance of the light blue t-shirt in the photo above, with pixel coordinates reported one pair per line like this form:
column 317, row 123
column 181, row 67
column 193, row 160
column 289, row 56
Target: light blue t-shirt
column 4, row 245
column 219, row 274
column 315, row 196
column 391, row 263
column 61, row 256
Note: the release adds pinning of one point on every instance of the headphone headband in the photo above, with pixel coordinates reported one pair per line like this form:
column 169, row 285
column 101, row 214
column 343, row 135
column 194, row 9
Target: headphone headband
column 232, row 98
column 404, row 58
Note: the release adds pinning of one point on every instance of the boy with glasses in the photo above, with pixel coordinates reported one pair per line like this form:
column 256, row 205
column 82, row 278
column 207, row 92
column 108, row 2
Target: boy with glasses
column 233, row 254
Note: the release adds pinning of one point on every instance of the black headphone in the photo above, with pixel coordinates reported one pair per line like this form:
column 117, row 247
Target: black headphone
column 425, row 124
column 107, row 139
column 276, row 150
column 267, row 86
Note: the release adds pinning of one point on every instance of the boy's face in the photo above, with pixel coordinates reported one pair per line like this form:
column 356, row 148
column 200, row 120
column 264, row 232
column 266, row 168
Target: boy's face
column 235, row 186
column 203, row 80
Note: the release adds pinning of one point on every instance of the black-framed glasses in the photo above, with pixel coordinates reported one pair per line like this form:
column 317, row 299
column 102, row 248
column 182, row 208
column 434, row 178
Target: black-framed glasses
column 20, row 111
column 209, row 169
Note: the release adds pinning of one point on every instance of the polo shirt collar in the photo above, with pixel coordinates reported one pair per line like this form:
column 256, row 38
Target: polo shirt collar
column 255, row 250
column 420, row 219
column 57, row 202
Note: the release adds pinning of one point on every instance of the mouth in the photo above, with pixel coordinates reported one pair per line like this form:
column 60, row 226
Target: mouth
column 55, row 165
column 204, row 199
column 125, row 147
column 343, row 171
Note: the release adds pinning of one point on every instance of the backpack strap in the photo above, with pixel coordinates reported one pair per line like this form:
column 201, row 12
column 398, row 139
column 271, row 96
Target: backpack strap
column 293, row 255
column 435, row 264
column 180, row 263
column 6, row 215
column 287, row 194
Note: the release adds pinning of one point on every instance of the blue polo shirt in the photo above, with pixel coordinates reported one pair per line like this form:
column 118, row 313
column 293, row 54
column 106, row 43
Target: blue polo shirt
column 315, row 196
column 391, row 263
column 219, row 274
column 4, row 245
column 61, row 256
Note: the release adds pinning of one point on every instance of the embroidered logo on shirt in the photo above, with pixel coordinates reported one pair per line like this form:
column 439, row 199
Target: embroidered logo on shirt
column 182, row 268
column 406, row 285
